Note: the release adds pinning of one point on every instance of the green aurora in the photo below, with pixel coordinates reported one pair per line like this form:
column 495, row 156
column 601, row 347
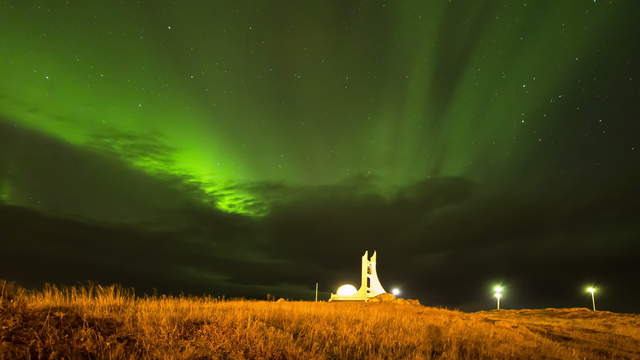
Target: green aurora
column 222, row 95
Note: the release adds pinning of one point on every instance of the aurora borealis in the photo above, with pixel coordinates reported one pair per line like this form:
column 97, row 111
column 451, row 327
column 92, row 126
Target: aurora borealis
column 245, row 147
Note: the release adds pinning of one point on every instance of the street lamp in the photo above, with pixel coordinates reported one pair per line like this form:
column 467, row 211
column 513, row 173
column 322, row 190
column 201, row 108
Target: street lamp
column 592, row 290
column 395, row 291
column 497, row 293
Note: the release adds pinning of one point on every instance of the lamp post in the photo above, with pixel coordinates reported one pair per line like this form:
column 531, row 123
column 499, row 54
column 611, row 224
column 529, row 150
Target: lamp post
column 592, row 290
column 498, row 295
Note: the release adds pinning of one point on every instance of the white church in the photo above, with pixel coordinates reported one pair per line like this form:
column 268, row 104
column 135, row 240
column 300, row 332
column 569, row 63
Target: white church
column 370, row 286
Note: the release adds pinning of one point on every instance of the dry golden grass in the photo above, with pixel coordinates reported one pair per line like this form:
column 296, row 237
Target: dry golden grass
column 97, row 322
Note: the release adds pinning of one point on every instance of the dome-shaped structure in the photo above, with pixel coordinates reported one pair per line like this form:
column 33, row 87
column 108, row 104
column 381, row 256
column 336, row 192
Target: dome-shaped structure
column 347, row 290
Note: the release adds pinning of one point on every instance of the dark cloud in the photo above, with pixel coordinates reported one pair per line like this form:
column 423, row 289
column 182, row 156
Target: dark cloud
column 151, row 149
column 54, row 176
column 444, row 240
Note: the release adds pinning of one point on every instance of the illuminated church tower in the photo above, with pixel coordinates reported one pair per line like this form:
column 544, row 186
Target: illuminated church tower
column 369, row 283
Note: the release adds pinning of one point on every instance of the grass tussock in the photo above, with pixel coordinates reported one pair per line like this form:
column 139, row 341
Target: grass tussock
column 95, row 322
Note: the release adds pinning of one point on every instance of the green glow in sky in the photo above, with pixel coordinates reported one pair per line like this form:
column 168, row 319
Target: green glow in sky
column 225, row 94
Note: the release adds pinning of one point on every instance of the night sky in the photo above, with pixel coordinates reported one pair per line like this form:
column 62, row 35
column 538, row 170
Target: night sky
column 253, row 147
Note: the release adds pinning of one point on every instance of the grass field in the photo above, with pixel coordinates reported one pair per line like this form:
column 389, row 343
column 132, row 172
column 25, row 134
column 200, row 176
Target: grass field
column 97, row 322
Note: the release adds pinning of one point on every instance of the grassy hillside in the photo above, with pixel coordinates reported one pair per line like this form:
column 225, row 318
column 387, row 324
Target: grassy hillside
column 107, row 322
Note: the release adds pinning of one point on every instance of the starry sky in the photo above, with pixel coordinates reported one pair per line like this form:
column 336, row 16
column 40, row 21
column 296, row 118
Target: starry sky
column 252, row 147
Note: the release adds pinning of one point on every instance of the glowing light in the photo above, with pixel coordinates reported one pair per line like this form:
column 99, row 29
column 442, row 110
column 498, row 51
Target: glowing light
column 346, row 290
column 395, row 291
column 498, row 289
column 592, row 290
